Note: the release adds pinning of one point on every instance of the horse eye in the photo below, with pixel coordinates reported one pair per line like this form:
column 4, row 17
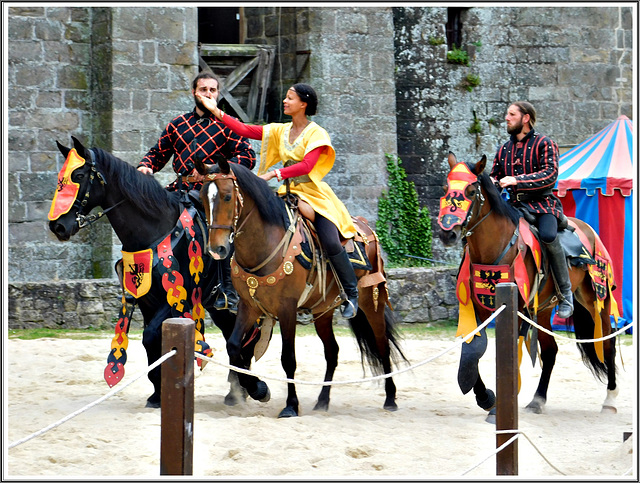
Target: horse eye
column 227, row 197
column 471, row 191
column 445, row 188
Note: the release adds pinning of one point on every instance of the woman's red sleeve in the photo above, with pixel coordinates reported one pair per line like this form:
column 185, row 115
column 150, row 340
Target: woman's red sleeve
column 247, row 130
column 303, row 167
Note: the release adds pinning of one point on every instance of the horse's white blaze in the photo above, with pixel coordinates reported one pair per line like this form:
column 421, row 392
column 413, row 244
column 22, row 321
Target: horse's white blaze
column 212, row 192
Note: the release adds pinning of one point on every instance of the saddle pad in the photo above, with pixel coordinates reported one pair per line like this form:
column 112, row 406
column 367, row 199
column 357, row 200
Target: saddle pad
column 575, row 249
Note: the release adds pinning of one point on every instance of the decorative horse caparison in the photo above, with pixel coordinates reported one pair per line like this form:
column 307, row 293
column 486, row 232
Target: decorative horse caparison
column 501, row 245
column 163, row 269
column 276, row 278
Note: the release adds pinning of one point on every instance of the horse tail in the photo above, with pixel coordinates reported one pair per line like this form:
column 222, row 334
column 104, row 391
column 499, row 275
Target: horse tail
column 583, row 326
column 366, row 340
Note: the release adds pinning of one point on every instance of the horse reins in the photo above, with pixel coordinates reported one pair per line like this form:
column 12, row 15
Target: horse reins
column 468, row 232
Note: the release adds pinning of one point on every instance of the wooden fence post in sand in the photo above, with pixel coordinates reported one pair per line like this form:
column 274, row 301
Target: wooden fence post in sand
column 176, row 419
column 507, row 377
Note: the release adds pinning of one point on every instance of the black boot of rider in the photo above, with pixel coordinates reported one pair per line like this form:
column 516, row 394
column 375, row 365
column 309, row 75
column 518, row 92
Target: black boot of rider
column 349, row 281
column 558, row 262
column 227, row 295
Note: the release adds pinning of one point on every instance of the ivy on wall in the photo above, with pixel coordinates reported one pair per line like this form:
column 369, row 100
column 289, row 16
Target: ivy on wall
column 404, row 229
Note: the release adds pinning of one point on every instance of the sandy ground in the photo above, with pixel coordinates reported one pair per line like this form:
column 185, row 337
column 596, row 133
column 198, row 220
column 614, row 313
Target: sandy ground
column 437, row 433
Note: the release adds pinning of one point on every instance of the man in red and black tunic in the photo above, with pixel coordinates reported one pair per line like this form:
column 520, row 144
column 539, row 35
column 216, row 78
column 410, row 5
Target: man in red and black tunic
column 527, row 167
column 197, row 133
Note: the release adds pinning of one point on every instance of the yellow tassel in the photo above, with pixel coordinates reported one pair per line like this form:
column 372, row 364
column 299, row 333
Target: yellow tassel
column 597, row 333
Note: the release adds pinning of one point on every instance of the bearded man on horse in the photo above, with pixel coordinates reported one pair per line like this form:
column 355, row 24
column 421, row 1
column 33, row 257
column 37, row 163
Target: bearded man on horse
column 527, row 166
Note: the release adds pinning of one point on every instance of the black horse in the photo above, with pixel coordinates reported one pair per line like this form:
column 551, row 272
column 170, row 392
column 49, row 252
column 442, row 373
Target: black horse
column 164, row 269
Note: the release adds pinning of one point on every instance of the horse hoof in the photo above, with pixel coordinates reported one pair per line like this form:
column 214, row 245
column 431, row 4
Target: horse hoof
column 536, row 405
column 153, row 401
column 235, row 397
column 488, row 402
column 261, row 393
column 391, row 406
column 288, row 412
column 491, row 417
column 609, row 410
column 321, row 406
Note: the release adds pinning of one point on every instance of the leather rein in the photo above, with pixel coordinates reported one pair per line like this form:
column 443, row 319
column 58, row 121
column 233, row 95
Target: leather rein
column 467, row 232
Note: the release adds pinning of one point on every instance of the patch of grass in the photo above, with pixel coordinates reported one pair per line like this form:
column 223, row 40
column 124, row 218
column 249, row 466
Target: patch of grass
column 443, row 329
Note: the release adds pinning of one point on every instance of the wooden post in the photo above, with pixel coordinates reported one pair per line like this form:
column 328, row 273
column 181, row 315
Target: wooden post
column 176, row 439
column 507, row 377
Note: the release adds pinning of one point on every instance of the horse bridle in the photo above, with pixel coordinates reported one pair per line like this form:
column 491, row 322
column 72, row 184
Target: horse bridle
column 468, row 232
column 478, row 196
column 284, row 242
column 86, row 220
column 234, row 230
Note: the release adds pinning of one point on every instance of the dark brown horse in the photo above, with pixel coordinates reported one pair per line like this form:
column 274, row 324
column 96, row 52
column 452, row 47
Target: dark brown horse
column 276, row 279
column 498, row 242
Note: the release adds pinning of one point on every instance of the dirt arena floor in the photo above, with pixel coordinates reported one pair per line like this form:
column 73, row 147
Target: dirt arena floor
column 437, row 433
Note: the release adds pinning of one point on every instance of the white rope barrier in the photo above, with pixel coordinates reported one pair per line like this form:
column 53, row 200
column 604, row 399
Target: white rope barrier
column 579, row 341
column 458, row 342
column 517, row 434
column 97, row 401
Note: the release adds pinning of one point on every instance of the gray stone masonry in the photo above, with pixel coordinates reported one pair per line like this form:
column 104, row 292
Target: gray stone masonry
column 427, row 296
column 113, row 76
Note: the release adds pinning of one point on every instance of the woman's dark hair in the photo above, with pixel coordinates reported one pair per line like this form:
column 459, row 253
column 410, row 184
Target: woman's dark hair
column 205, row 74
column 308, row 95
column 527, row 108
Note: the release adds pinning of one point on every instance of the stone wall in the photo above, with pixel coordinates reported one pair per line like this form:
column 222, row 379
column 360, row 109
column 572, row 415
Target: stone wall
column 114, row 76
column 428, row 296
column 347, row 55
column 573, row 63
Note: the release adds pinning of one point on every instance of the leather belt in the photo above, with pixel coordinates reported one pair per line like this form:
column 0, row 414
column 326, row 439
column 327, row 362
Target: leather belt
column 524, row 197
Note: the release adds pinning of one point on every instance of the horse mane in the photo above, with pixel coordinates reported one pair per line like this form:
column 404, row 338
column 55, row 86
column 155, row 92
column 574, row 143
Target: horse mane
column 497, row 202
column 141, row 190
column 270, row 206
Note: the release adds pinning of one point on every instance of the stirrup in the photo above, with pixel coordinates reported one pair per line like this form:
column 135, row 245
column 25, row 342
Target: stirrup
column 566, row 305
column 348, row 309
column 226, row 304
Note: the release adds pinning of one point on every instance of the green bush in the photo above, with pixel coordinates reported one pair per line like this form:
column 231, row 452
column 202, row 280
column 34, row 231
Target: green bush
column 403, row 227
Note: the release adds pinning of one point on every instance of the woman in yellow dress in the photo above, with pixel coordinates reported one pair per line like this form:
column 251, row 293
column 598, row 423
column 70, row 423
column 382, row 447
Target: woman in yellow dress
column 307, row 156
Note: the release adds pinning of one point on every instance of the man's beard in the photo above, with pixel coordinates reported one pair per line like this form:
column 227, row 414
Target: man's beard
column 200, row 105
column 515, row 130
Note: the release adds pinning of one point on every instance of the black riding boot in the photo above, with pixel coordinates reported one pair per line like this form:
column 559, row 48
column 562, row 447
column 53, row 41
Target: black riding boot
column 227, row 295
column 558, row 263
column 349, row 281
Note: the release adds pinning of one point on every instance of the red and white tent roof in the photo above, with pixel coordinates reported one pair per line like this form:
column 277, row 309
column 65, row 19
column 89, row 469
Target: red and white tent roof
column 604, row 162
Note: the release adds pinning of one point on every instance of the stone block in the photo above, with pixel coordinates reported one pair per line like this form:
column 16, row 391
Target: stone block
column 45, row 29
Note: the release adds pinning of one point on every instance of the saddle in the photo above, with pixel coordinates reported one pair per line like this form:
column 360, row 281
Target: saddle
column 355, row 247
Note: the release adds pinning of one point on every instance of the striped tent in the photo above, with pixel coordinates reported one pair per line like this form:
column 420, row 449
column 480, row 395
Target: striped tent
column 595, row 184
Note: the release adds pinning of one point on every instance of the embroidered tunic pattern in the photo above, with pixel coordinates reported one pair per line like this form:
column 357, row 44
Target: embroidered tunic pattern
column 534, row 163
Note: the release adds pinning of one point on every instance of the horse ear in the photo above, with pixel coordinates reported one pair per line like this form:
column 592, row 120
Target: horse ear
column 224, row 165
column 452, row 160
column 480, row 165
column 82, row 151
column 63, row 149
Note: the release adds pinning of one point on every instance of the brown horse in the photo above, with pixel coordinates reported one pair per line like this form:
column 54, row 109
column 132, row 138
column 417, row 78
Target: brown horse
column 499, row 245
column 276, row 279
